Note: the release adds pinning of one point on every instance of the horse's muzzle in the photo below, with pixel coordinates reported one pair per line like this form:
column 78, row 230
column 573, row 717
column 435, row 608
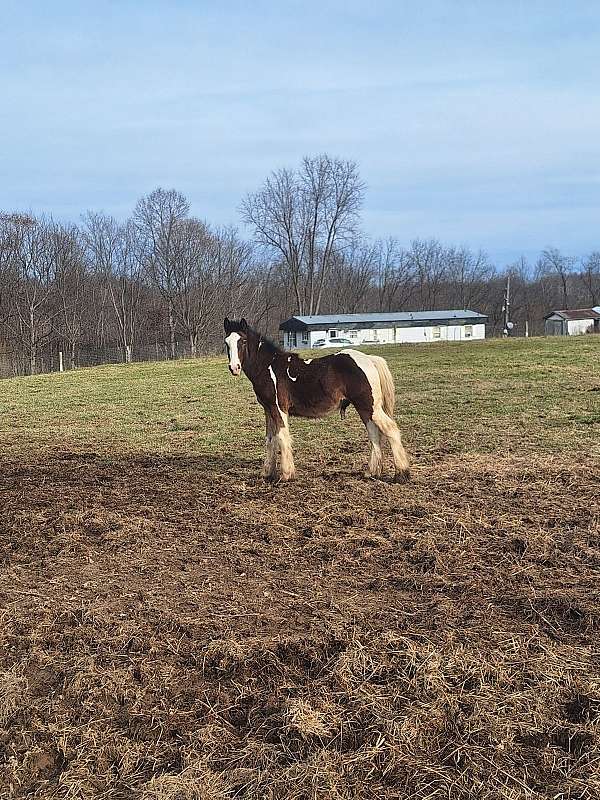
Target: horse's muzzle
column 235, row 371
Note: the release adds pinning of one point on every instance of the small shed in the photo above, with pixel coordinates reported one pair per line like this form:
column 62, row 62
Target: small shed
column 572, row 322
column 453, row 325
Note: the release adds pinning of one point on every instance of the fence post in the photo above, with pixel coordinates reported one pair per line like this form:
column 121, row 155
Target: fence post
column 61, row 365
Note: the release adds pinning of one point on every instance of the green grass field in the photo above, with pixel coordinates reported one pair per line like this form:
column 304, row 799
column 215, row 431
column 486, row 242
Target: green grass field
column 174, row 628
column 503, row 396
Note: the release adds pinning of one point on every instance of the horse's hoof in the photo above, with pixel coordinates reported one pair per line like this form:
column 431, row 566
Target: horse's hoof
column 403, row 476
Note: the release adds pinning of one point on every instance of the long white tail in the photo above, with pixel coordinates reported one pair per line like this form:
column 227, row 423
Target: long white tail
column 388, row 390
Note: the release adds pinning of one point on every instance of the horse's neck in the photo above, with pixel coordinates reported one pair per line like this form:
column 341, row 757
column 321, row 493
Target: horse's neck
column 258, row 360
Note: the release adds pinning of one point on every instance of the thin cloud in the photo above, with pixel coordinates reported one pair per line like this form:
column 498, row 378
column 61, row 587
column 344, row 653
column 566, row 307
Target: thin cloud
column 471, row 122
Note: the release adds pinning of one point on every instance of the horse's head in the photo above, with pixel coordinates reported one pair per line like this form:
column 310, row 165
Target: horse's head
column 236, row 341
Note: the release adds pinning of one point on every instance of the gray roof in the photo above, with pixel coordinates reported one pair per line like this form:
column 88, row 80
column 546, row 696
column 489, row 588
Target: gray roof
column 399, row 316
column 575, row 313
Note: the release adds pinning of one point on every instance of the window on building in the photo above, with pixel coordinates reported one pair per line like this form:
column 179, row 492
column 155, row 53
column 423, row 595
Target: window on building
column 468, row 331
column 292, row 339
column 305, row 337
column 353, row 334
column 333, row 334
column 436, row 332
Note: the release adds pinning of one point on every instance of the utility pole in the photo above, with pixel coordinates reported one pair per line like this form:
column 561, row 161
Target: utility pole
column 508, row 325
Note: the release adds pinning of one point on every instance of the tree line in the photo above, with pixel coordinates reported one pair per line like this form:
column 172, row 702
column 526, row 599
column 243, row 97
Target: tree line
column 158, row 284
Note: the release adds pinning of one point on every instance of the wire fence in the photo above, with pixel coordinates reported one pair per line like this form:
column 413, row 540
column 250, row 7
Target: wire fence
column 55, row 358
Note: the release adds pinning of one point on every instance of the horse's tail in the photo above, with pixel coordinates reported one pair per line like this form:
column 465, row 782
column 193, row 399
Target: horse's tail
column 388, row 390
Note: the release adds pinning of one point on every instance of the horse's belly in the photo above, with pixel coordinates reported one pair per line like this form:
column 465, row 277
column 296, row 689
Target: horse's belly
column 314, row 410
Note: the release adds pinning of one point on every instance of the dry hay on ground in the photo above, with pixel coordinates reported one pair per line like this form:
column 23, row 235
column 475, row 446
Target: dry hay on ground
column 173, row 629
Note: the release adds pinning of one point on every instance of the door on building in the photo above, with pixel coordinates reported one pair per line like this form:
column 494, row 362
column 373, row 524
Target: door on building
column 554, row 327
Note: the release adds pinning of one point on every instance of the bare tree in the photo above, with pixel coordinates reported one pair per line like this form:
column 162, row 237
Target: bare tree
column 558, row 267
column 352, row 275
column 590, row 277
column 194, row 287
column 428, row 262
column 32, row 314
column 305, row 218
column 158, row 216
column 233, row 263
column 394, row 276
column 70, row 285
column 8, row 270
column 117, row 252
column 468, row 274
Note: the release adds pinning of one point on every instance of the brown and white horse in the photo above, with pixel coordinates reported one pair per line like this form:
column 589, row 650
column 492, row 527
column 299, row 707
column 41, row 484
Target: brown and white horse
column 286, row 385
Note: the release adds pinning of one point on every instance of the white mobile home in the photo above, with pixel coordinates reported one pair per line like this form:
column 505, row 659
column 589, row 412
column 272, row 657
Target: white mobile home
column 572, row 322
column 384, row 328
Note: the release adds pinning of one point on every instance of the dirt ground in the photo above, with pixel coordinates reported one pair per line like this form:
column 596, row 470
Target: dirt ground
column 173, row 628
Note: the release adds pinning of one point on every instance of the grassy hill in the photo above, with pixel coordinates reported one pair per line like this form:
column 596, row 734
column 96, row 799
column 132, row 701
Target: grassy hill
column 510, row 394
column 174, row 628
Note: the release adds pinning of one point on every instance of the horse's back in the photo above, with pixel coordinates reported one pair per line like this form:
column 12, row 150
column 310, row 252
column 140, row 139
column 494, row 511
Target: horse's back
column 361, row 360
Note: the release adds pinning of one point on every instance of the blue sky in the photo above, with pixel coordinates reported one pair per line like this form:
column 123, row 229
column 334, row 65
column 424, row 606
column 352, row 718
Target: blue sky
column 475, row 122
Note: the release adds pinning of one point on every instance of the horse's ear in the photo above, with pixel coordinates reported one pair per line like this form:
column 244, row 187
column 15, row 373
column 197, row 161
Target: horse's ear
column 226, row 323
column 243, row 324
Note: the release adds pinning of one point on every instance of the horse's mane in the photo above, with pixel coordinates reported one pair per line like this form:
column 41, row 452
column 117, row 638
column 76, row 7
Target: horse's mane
column 266, row 345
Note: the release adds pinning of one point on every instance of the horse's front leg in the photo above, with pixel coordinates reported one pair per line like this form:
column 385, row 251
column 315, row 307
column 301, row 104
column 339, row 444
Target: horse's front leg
column 284, row 443
column 270, row 465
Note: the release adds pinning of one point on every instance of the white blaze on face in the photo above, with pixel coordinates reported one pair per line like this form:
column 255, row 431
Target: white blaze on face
column 231, row 341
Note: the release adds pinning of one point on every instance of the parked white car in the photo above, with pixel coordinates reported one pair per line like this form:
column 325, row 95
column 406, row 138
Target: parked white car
column 336, row 341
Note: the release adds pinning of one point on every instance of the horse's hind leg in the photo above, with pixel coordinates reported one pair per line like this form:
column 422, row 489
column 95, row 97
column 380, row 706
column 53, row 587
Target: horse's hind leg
column 343, row 406
column 376, row 459
column 389, row 429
